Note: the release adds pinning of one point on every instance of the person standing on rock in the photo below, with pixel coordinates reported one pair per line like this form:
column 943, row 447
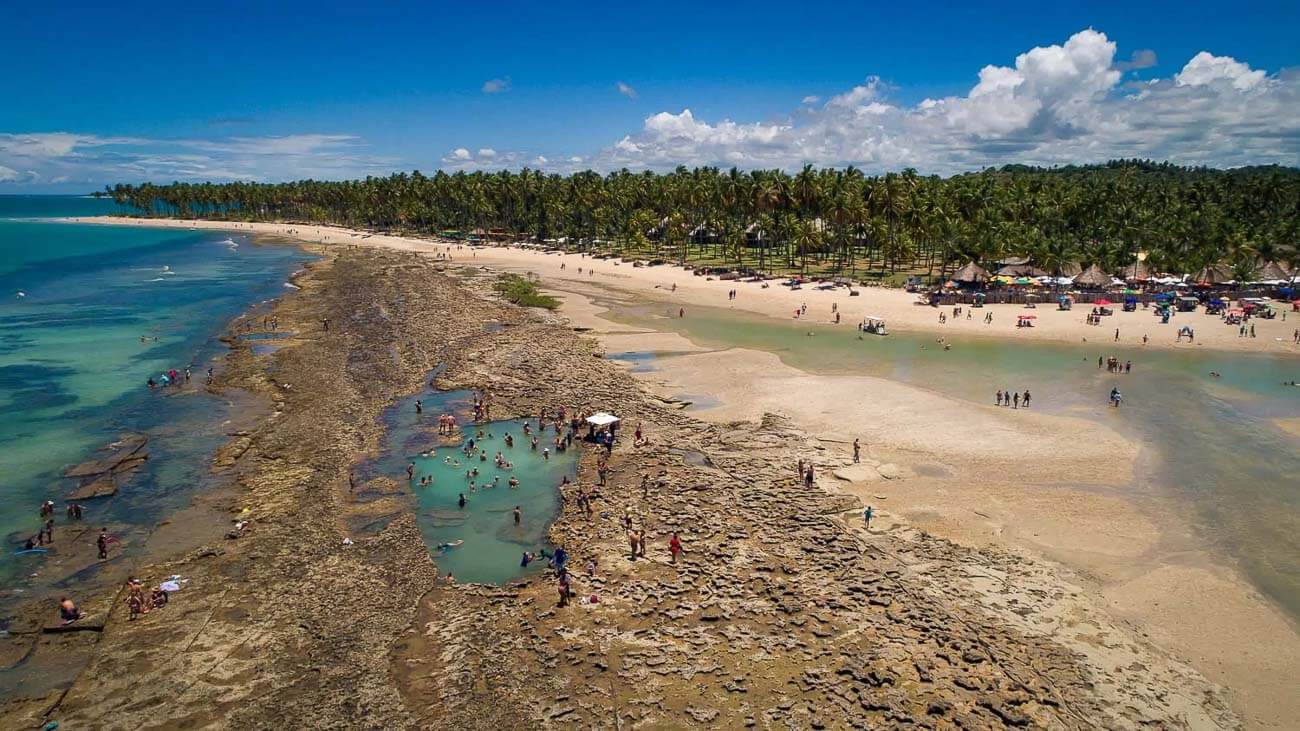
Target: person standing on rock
column 410, row 472
column 102, row 543
column 632, row 540
column 675, row 546
column 563, row 588
column 867, row 515
column 857, row 451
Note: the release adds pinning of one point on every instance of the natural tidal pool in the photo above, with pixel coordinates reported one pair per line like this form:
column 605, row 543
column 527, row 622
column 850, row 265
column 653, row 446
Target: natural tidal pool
column 1216, row 452
column 491, row 544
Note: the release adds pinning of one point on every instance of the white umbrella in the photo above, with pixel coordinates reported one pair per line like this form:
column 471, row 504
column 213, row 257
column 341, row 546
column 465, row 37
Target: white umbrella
column 601, row 419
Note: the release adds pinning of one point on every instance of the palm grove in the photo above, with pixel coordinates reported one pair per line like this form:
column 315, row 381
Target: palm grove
column 824, row 221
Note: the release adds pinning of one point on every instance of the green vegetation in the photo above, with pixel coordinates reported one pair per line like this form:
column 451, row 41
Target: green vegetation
column 523, row 291
column 823, row 222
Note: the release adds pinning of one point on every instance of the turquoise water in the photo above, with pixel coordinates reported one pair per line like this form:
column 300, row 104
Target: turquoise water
column 73, row 366
column 492, row 543
column 1213, row 449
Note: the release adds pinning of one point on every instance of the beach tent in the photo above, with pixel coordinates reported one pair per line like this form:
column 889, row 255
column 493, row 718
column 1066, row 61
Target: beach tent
column 972, row 273
column 1094, row 277
column 601, row 419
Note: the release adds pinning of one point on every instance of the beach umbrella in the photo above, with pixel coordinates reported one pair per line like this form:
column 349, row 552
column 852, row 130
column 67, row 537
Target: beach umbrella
column 1024, row 280
column 1103, row 302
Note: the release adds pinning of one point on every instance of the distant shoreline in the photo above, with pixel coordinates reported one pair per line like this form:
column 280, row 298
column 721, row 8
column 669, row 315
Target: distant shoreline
column 897, row 307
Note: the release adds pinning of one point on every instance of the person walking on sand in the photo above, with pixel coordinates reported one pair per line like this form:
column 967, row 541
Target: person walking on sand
column 999, row 397
column 1117, row 335
column 857, row 451
column 866, row 516
column 1025, row 400
column 675, row 546
column 1015, row 400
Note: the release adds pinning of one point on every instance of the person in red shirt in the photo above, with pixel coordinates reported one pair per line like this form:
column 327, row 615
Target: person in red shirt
column 675, row 546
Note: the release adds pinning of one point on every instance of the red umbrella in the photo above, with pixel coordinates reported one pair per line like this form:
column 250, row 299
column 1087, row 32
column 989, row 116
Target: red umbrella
column 1102, row 302
column 1029, row 317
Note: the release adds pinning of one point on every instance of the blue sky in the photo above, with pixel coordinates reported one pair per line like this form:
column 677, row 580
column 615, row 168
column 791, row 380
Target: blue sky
column 275, row 90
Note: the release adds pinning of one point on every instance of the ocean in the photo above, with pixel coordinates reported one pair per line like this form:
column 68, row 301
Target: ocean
column 87, row 315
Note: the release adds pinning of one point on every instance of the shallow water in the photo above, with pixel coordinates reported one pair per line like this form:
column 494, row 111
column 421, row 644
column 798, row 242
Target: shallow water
column 73, row 366
column 492, row 543
column 1215, row 453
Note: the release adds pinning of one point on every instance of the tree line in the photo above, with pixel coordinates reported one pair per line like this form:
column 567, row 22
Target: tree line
column 825, row 221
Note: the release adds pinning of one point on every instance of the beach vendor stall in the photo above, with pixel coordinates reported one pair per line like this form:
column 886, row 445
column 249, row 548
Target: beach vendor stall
column 601, row 427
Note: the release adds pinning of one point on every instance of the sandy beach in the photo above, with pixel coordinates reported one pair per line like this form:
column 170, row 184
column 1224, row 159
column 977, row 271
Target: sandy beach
column 1156, row 624
column 898, row 308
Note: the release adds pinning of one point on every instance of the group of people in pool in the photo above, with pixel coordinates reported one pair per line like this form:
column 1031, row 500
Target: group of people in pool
column 171, row 378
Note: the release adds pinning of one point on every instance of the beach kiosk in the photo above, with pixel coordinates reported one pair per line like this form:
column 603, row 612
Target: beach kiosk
column 1187, row 304
column 605, row 423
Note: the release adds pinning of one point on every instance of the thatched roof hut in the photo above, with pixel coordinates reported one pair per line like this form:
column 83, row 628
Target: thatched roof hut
column 1138, row 271
column 1021, row 270
column 1071, row 269
column 1013, row 261
column 1218, row 274
column 1272, row 271
column 1093, row 277
column 972, row 273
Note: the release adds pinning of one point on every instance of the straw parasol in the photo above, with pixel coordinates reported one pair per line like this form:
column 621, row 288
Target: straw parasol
column 1093, row 277
column 972, row 273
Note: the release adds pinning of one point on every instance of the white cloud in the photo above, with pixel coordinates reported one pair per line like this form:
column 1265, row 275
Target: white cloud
column 496, row 86
column 1205, row 69
column 64, row 157
column 487, row 152
column 1054, row 104
column 811, row 99
column 626, row 90
column 7, row 175
column 460, row 153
